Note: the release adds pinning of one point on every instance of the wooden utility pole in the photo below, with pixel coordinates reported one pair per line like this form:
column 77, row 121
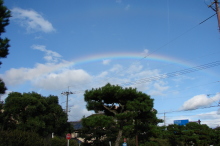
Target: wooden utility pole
column 217, row 10
column 67, row 93
column 164, row 117
column 218, row 13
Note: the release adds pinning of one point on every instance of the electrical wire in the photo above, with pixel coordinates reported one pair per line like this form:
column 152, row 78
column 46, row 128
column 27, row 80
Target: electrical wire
column 179, row 36
column 174, row 74
column 168, row 75
column 192, row 115
column 189, row 109
column 155, row 50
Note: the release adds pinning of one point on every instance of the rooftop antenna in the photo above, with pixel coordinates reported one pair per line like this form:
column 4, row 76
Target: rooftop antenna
column 217, row 10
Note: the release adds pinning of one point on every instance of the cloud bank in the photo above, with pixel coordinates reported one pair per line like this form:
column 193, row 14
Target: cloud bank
column 31, row 20
column 199, row 101
column 56, row 74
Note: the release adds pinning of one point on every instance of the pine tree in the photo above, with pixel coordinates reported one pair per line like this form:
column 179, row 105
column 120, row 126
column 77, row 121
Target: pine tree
column 5, row 14
column 133, row 110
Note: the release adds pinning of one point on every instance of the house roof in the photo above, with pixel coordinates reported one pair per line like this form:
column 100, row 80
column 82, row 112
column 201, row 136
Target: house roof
column 76, row 125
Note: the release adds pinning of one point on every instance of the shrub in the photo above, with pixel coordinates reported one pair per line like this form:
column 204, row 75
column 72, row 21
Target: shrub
column 61, row 141
column 21, row 138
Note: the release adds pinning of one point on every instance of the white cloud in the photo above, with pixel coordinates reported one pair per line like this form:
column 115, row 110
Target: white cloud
column 4, row 96
column 146, row 51
column 218, row 112
column 212, row 119
column 116, row 68
column 78, row 105
column 53, row 75
column 145, row 76
column 47, row 76
column 199, row 101
column 50, row 56
column 127, row 7
column 141, row 87
column 31, row 20
column 158, row 88
column 103, row 74
column 38, row 37
column 20, row 75
column 54, row 81
column 209, row 118
column 135, row 76
column 56, row 74
column 134, row 68
column 106, row 62
column 118, row 1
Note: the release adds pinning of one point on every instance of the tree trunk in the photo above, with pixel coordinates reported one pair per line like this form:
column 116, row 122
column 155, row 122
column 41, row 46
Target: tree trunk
column 118, row 138
column 136, row 139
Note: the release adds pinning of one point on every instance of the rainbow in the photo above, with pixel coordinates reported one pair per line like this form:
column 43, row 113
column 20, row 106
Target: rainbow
column 131, row 55
column 136, row 57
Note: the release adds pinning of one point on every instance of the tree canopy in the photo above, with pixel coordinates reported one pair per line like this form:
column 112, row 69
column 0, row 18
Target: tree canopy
column 190, row 134
column 5, row 14
column 133, row 110
column 98, row 129
column 34, row 112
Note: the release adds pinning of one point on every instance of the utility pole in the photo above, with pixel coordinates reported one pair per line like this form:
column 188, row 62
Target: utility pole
column 67, row 93
column 218, row 13
column 217, row 10
column 164, row 118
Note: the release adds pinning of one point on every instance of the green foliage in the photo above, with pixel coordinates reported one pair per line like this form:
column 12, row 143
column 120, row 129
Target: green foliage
column 98, row 129
column 5, row 14
column 175, row 134
column 198, row 134
column 134, row 116
column 2, row 87
column 36, row 113
column 61, row 141
column 158, row 142
column 216, row 136
column 132, row 110
column 190, row 134
column 21, row 138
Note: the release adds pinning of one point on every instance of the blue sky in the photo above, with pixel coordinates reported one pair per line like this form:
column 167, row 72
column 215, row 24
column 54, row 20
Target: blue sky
column 72, row 45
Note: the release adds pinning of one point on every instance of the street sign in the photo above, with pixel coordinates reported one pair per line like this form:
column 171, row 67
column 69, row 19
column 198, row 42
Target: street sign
column 124, row 144
column 68, row 136
column 181, row 122
column 125, row 140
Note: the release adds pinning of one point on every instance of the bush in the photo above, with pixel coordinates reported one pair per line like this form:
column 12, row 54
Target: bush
column 21, row 138
column 61, row 141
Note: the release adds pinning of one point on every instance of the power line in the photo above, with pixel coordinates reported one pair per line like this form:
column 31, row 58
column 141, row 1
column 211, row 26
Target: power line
column 189, row 109
column 194, row 115
column 190, row 88
column 169, row 42
column 207, row 19
column 163, row 76
column 164, row 113
column 173, row 74
column 201, row 85
column 197, row 115
column 176, row 73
